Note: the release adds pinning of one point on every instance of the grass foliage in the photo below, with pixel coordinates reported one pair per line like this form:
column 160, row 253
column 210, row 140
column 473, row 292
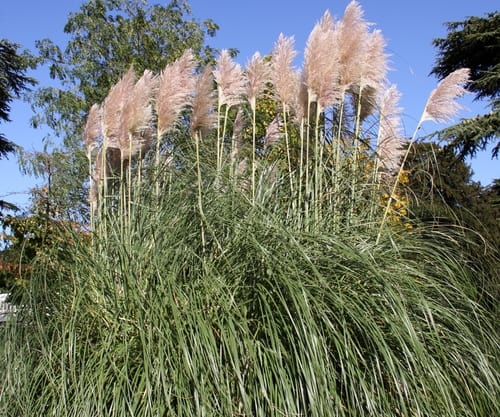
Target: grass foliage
column 264, row 320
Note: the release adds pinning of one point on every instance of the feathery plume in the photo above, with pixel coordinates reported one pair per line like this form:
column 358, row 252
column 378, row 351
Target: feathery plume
column 352, row 40
column 372, row 74
column 441, row 105
column 273, row 133
column 390, row 132
column 374, row 65
column 175, row 90
column 92, row 130
column 138, row 115
column 367, row 100
column 112, row 111
column 321, row 63
column 258, row 75
column 230, row 80
column 283, row 76
column 203, row 116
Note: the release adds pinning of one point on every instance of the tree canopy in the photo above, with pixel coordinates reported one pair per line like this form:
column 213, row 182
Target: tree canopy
column 475, row 44
column 13, row 81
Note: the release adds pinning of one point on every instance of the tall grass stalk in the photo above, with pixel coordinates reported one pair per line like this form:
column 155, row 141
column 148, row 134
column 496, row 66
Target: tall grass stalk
column 441, row 106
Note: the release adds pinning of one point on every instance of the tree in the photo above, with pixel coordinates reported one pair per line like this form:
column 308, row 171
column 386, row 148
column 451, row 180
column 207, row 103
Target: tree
column 13, row 81
column 107, row 37
column 473, row 43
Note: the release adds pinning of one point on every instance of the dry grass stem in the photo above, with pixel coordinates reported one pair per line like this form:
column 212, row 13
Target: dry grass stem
column 107, row 163
column 237, row 139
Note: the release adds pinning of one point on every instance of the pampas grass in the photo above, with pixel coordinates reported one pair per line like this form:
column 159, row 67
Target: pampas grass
column 230, row 81
column 390, row 135
column 285, row 80
column 257, row 72
column 175, row 90
column 203, row 117
column 274, row 321
column 321, row 64
column 93, row 129
column 200, row 294
column 442, row 105
column 138, row 117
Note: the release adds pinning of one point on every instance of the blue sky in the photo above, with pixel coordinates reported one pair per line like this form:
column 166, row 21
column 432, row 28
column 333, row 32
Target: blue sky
column 408, row 26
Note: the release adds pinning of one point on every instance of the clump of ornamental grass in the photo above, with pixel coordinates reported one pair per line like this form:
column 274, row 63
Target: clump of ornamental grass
column 233, row 273
column 260, row 319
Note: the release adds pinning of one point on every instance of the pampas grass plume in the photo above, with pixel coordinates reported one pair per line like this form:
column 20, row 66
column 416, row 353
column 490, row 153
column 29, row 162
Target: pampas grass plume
column 113, row 107
column 390, row 132
column 258, row 75
column 352, row 40
column 283, row 76
column 321, row 63
column 230, row 80
column 442, row 106
column 138, row 115
column 374, row 65
column 93, row 128
column 203, row 116
column 175, row 90
column 273, row 133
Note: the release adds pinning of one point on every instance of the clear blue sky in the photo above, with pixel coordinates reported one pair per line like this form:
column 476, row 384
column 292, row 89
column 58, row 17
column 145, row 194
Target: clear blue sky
column 409, row 27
